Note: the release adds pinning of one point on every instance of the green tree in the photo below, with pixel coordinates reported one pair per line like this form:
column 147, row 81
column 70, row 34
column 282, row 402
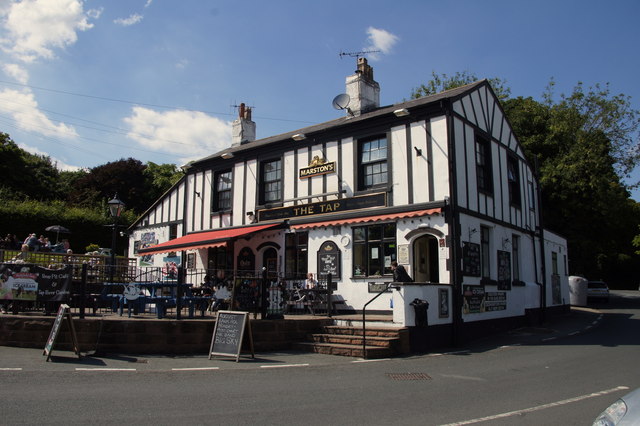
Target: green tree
column 440, row 83
column 161, row 177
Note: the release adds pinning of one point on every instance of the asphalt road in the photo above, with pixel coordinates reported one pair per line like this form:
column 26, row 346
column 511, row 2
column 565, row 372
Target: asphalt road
column 559, row 374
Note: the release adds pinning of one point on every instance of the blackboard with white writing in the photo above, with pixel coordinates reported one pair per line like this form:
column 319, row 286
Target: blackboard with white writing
column 228, row 334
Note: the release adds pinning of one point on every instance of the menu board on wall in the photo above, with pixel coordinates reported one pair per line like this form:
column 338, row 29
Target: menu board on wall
column 504, row 270
column 329, row 260
column 471, row 259
column 473, row 299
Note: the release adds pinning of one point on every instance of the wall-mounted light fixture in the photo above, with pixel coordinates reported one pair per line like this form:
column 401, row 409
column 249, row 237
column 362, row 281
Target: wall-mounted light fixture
column 471, row 232
column 227, row 155
column 418, row 151
column 402, row 112
column 505, row 243
column 252, row 217
column 299, row 137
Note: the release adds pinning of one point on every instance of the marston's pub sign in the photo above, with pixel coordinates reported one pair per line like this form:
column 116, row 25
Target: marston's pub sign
column 318, row 166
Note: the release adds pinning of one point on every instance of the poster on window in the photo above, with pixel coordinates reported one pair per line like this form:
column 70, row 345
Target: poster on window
column 504, row 270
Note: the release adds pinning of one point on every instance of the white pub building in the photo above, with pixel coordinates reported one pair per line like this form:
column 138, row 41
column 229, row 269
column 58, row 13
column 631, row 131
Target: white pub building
column 438, row 184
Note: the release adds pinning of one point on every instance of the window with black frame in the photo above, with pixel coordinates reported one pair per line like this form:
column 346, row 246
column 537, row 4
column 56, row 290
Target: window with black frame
column 373, row 163
column 374, row 248
column 222, row 191
column 483, row 165
column 296, row 254
column 271, row 181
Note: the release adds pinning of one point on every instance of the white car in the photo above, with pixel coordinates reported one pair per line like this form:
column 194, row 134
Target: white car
column 598, row 290
column 625, row 411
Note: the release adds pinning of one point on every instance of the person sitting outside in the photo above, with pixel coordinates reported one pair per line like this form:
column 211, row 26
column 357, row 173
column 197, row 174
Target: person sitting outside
column 22, row 256
column 400, row 274
column 310, row 283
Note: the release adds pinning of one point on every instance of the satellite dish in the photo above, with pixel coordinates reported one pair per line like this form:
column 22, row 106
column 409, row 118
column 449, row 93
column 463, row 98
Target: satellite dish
column 341, row 101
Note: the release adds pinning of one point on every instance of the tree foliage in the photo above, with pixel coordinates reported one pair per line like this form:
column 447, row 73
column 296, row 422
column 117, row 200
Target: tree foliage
column 34, row 194
column 440, row 83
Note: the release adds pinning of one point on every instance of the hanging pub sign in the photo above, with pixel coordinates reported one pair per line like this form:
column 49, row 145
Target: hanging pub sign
column 329, row 260
column 317, row 166
column 325, row 207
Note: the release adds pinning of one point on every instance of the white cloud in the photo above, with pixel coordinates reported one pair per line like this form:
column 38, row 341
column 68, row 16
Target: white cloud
column 59, row 164
column 148, row 3
column 17, row 72
column 131, row 20
column 381, row 40
column 23, row 108
column 34, row 28
column 189, row 134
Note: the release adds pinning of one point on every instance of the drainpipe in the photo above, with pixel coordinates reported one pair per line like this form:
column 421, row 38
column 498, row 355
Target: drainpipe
column 543, row 258
column 452, row 217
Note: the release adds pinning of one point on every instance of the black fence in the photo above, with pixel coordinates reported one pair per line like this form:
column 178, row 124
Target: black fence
column 91, row 286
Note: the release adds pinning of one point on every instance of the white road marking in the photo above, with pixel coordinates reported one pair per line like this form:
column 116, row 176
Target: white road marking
column 195, row 368
column 284, row 366
column 455, row 376
column 105, row 369
column 370, row 360
column 10, row 369
column 539, row 407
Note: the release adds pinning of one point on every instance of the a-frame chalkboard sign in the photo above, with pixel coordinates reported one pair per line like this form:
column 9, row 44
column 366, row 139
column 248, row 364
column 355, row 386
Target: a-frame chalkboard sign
column 229, row 333
column 63, row 312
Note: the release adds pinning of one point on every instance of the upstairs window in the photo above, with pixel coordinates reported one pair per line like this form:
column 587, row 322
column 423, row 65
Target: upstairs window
column 483, row 166
column 513, row 178
column 271, row 181
column 373, row 163
column 222, row 191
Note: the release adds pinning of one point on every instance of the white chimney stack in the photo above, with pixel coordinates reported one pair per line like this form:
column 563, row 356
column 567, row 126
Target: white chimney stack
column 243, row 129
column 363, row 90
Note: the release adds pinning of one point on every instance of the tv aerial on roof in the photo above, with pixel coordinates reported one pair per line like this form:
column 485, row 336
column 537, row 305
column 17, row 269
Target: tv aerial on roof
column 342, row 102
column 357, row 54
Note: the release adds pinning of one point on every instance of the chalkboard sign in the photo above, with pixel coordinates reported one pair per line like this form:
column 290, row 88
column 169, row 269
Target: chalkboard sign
column 63, row 312
column 504, row 270
column 329, row 260
column 471, row 259
column 228, row 334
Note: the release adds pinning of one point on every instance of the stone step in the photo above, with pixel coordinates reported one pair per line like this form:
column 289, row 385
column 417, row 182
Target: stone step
column 347, row 339
column 372, row 352
column 346, row 322
column 370, row 331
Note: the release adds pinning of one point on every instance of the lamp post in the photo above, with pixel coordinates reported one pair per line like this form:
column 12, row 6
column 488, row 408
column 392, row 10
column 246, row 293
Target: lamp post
column 115, row 209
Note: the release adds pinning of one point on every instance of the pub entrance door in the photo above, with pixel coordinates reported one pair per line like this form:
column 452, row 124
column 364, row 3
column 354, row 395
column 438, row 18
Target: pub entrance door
column 425, row 260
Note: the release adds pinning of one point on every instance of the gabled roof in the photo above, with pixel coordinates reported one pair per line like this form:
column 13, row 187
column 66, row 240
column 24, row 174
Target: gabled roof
column 452, row 95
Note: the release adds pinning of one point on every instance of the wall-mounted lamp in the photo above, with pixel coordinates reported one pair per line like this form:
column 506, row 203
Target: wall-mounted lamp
column 227, row 155
column 299, row 137
column 402, row 112
column 252, row 217
column 505, row 243
column 418, row 151
column 197, row 193
column 471, row 232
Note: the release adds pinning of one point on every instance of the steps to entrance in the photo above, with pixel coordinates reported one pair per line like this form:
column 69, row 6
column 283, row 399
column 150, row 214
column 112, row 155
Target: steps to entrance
column 381, row 342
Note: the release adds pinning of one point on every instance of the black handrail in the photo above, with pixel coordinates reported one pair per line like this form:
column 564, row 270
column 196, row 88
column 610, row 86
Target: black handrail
column 364, row 318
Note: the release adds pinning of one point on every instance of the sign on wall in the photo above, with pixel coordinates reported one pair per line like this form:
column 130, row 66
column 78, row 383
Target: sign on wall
column 471, row 259
column 495, row 301
column 329, row 260
column 324, row 207
column 318, row 166
column 504, row 270
column 473, row 299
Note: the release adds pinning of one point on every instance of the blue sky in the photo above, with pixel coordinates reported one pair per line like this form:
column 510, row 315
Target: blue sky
column 89, row 82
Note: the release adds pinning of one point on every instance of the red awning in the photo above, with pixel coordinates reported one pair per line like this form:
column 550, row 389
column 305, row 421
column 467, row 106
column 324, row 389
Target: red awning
column 364, row 219
column 204, row 239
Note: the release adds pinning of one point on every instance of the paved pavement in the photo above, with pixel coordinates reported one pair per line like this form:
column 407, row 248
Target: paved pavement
column 579, row 320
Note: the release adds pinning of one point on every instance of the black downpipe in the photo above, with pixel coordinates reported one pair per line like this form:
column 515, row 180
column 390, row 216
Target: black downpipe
column 452, row 217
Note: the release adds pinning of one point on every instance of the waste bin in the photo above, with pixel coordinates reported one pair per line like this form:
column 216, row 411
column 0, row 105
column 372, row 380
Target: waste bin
column 420, row 308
